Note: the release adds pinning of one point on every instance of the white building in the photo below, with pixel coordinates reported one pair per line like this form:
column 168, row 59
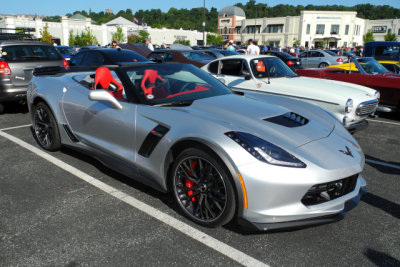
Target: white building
column 103, row 33
column 311, row 28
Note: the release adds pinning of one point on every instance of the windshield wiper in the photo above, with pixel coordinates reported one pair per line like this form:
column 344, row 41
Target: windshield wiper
column 183, row 103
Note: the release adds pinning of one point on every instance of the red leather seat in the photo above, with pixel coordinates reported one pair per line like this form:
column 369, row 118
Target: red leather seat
column 103, row 78
column 153, row 85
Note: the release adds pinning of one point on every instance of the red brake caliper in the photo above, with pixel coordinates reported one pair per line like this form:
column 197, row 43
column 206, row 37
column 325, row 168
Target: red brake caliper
column 188, row 183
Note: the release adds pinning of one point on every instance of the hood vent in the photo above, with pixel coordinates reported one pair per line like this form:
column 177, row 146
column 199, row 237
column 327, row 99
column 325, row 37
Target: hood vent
column 289, row 119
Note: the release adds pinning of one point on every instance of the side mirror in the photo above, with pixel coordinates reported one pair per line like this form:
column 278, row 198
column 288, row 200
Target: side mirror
column 103, row 95
column 246, row 74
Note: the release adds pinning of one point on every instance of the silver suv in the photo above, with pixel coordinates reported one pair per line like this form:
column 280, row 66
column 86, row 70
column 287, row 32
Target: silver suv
column 17, row 61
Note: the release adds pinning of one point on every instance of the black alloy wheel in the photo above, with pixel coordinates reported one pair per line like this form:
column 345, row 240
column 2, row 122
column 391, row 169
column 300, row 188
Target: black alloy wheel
column 202, row 188
column 323, row 65
column 45, row 127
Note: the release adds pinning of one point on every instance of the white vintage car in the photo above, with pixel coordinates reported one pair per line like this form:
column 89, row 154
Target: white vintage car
column 349, row 103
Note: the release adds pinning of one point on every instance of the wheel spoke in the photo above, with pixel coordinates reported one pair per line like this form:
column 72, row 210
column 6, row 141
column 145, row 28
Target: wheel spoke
column 188, row 176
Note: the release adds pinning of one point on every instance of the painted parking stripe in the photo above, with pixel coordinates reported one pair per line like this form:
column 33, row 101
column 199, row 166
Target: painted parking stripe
column 16, row 127
column 186, row 229
column 383, row 164
column 387, row 122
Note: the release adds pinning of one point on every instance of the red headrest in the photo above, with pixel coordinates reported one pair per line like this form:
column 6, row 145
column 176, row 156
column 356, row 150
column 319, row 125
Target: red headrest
column 104, row 78
column 150, row 76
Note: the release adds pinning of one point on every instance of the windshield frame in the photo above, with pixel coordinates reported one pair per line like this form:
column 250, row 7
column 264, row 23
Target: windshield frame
column 270, row 62
column 370, row 62
column 204, row 85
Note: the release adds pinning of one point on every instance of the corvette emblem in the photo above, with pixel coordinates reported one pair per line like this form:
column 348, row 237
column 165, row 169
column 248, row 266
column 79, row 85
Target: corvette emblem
column 347, row 152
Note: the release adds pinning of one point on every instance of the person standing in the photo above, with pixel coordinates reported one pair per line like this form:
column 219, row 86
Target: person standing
column 149, row 45
column 252, row 49
column 230, row 46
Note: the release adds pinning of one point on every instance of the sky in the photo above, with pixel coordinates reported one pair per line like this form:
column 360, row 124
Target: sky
column 57, row 7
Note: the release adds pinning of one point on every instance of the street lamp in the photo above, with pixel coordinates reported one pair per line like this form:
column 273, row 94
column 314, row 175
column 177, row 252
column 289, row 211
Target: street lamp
column 204, row 22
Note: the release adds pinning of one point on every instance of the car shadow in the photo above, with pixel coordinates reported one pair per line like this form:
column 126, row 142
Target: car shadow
column 14, row 108
column 382, row 168
column 380, row 258
column 383, row 204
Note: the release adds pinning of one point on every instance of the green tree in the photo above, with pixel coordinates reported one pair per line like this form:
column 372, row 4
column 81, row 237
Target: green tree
column 184, row 42
column 214, row 39
column 368, row 37
column 46, row 36
column 138, row 39
column 85, row 38
column 119, row 36
column 296, row 42
column 71, row 38
column 390, row 37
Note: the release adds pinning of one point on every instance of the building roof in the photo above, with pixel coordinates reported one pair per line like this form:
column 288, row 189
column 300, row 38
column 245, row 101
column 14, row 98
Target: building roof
column 121, row 21
column 79, row 16
column 231, row 11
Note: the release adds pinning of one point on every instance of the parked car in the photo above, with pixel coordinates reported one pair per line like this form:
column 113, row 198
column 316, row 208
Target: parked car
column 388, row 51
column 195, row 57
column 292, row 62
column 350, row 104
column 17, row 62
column 320, row 58
column 217, row 53
column 220, row 155
column 66, row 51
column 367, row 72
column 106, row 56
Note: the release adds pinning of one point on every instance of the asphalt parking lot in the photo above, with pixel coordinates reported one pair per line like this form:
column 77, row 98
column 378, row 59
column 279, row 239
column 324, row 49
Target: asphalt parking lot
column 66, row 209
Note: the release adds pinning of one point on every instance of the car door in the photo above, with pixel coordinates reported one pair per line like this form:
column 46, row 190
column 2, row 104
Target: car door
column 96, row 123
column 233, row 73
column 316, row 58
column 304, row 58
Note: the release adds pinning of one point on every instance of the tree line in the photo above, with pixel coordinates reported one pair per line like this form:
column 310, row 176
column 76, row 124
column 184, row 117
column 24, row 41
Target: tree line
column 191, row 19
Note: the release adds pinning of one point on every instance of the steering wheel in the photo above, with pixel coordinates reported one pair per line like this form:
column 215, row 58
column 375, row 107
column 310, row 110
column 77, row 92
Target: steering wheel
column 188, row 87
column 273, row 71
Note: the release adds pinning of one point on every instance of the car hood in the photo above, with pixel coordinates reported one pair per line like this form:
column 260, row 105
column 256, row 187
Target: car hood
column 323, row 90
column 238, row 113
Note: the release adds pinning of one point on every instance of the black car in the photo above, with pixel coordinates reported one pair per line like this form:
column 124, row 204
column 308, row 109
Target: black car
column 293, row 62
column 106, row 56
column 17, row 62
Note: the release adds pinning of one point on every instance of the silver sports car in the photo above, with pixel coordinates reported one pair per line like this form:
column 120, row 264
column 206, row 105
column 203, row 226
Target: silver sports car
column 271, row 162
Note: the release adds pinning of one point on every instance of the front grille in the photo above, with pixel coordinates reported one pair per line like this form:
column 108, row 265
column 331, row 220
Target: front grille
column 366, row 108
column 289, row 119
column 321, row 193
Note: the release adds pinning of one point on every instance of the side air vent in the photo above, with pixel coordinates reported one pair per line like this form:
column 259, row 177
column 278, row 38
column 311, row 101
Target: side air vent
column 70, row 134
column 289, row 119
column 151, row 140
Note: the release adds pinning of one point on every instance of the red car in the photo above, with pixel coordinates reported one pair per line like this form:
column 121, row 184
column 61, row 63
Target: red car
column 367, row 72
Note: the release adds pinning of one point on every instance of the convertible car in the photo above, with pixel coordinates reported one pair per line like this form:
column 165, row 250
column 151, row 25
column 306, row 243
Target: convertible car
column 367, row 72
column 351, row 104
column 271, row 162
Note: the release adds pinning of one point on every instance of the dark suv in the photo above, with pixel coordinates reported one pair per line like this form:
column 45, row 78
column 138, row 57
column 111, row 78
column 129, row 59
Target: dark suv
column 17, row 61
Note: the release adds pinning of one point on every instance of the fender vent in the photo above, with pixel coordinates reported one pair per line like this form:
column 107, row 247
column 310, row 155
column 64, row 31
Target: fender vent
column 289, row 119
column 151, row 140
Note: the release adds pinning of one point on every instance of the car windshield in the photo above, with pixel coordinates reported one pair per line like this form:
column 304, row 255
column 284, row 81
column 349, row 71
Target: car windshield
column 124, row 55
column 159, row 84
column 65, row 50
column 197, row 56
column 371, row 66
column 331, row 53
column 30, row 52
column 270, row 67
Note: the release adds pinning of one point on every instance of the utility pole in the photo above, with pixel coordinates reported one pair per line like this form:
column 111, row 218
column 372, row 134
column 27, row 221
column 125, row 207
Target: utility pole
column 204, row 22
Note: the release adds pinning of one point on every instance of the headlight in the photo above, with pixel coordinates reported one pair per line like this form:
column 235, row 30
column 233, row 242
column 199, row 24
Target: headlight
column 265, row 151
column 377, row 94
column 349, row 105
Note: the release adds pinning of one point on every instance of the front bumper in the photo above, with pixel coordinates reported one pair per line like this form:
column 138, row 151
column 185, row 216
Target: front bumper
column 357, row 126
column 348, row 205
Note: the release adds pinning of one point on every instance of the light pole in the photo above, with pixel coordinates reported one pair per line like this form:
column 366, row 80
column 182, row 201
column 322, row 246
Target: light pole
column 204, row 22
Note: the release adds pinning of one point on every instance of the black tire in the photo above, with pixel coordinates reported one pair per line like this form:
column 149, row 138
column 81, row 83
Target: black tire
column 45, row 127
column 1, row 108
column 202, row 188
column 323, row 65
